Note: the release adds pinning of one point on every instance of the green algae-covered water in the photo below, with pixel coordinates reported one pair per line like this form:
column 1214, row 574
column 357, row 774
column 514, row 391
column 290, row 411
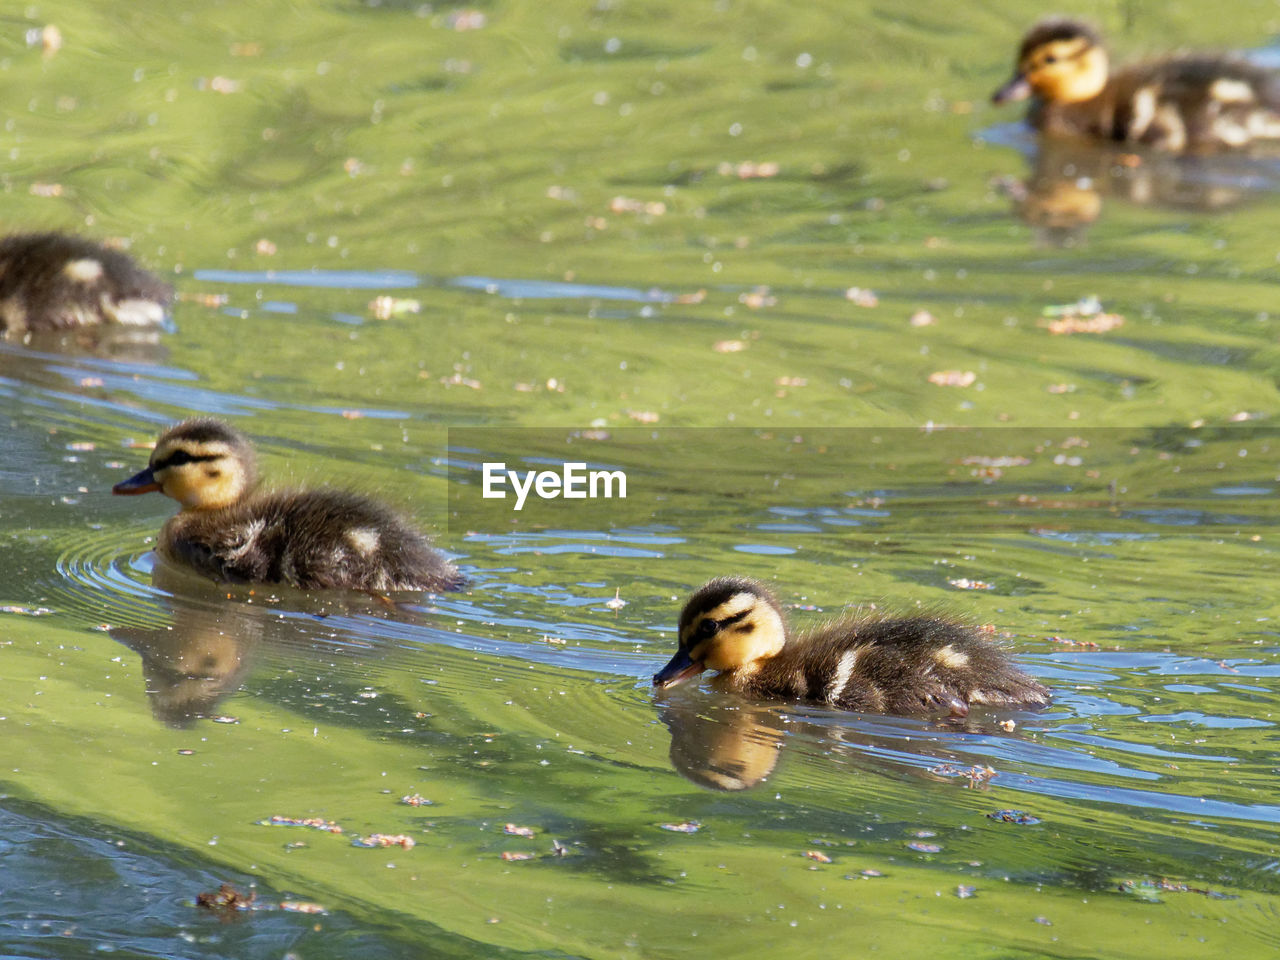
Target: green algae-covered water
column 842, row 326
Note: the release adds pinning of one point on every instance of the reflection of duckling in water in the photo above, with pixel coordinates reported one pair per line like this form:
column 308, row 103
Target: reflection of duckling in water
column 1184, row 102
column 193, row 663
column 1071, row 179
column 876, row 665
column 726, row 749
column 50, row 281
column 307, row 538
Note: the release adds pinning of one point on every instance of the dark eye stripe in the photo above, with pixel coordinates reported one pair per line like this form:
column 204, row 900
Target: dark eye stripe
column 735, row 618
column 179, row 457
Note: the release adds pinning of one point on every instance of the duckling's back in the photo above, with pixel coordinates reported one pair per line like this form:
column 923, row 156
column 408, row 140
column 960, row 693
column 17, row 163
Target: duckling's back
column 897, row 665
column 316, row 539
column 52, row 281
column 1180, row 103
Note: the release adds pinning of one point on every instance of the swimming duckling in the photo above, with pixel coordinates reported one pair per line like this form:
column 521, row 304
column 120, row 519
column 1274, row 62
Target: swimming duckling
column 51, row 281
column 915, row 665
column 1179, row 103
column 307, row 538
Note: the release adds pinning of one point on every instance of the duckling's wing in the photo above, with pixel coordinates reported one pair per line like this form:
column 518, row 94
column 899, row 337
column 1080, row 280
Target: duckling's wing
column 336, row 539
column 924, row 665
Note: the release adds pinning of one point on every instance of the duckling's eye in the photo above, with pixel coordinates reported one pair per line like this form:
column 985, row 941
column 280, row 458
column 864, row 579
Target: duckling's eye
column 1050, row 58
column 177, row 458
column 707, row 628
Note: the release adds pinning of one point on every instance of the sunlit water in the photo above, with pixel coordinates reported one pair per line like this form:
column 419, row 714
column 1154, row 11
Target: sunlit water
column 587, row 259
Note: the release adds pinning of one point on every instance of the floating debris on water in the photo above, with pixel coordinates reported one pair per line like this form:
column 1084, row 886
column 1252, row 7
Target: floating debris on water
column 651, row 208
column 1083, row 316
column 415, row 800
column 315, row 823
column 1148, row 889
column 757, row 298
column 384, row 840
column 1084, row 307
column 748, row 170
column 817, row 855
column 385, row 308
column 978, row 775
column 518, row 855
column 516, row 831
column 226, row 899
column 617, row 603
column 859, row 296
column 462, row 20
column 301, row 906
column 919, row 846
column 953, row 378
column 1067, row 642
column 48, row 38
column 1013, row 816
column 689, row 826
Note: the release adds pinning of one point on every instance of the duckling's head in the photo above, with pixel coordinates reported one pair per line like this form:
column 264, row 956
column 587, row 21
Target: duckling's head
column 1060, row 61
column 730, row 624
column 204, row 464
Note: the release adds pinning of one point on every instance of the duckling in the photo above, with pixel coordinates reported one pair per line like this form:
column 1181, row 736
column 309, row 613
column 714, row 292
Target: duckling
column 1189, row 102
column 51, row 281
column 914, row 665
column 307, row 538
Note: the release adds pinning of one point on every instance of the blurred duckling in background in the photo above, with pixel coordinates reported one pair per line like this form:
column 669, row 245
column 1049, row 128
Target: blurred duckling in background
column 51, row 281
column 913, row 665
column 1186, row 102
column 311, row 539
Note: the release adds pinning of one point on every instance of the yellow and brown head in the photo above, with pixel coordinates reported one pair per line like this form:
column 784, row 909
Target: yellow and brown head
column 728, row 625
column 1060, row 61
column 204, row 464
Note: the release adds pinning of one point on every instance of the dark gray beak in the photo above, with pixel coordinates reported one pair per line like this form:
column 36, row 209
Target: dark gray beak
column 143, row 482
column 678, row 670
column 1015, row 89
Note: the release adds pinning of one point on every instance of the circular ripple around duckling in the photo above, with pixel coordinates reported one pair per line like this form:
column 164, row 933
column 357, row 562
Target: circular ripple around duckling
column 101, row 575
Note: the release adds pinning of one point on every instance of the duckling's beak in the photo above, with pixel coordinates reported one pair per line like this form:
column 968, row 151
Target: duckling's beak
column 144, row 482
column 1015, row 89
column 680, row 669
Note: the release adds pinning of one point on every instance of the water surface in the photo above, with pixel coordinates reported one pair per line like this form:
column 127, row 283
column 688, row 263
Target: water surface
column 786, row 269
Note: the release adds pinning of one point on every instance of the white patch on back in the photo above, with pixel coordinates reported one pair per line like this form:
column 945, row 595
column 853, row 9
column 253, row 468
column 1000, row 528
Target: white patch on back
column 1175, row 131
column 83, row 271
column 951, row 658
column 249, row 534
column 844, row 670
column 1264, row 124
column 1231, row 91
column 134, row 312
column 364, row 540
column 1231, row 132
column 1144, row 111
